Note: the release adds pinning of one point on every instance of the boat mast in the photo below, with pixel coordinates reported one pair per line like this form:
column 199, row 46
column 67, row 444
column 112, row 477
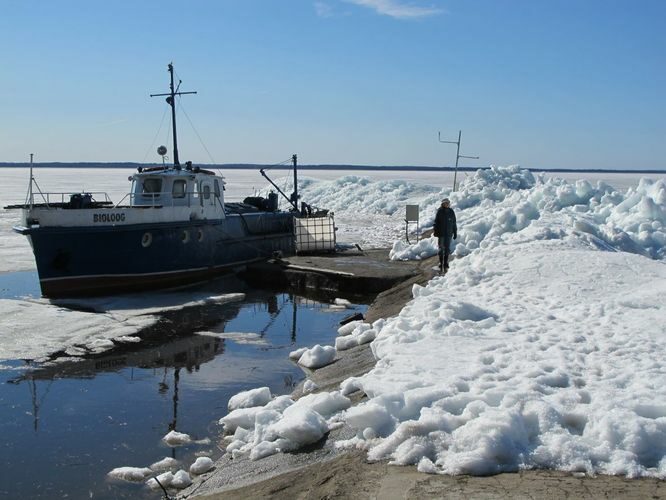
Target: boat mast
column 171, row 100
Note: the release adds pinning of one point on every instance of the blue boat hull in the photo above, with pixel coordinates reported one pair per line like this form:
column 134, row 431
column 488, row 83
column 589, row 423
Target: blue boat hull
column 82, row 261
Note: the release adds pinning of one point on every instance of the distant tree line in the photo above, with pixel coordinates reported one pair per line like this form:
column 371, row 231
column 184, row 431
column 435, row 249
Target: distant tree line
column 256, row 166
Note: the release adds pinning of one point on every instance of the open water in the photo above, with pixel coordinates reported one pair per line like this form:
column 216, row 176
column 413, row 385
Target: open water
column 64, row 427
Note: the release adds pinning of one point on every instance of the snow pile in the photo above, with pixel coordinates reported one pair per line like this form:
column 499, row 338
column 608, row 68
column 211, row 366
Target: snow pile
column 167, row 463
column 540, row 349
column 165, row 479
column 309, row 386
column 132, row 474
column 248, row 399
column 281, row 425
column 361, row 195
column 369, row 212
column 503, row 200
column 362, row 333
column 201, row 465
column 348, row 328
column 181, row 480
column 533, row 353
column 174, row 438
column 162, row 470
column 316, row 357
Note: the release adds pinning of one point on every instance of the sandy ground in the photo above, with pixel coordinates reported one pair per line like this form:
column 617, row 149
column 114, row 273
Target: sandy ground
column 322, row 472
column 350, row 476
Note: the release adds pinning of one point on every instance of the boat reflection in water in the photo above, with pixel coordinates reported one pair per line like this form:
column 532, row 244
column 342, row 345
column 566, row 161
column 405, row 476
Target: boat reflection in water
column 187, row 353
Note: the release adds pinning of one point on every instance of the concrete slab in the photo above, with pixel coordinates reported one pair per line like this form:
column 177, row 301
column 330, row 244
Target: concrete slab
column 350, row 272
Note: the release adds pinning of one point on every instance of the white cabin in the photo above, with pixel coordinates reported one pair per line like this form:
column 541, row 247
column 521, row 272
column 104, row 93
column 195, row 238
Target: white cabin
column 199, row 190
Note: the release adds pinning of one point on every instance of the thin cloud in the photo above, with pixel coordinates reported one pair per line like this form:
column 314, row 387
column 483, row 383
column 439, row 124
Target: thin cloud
column 323, row 9
column 398, row 9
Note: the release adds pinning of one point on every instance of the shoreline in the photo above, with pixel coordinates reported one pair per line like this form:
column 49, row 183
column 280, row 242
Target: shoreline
column 321, row 471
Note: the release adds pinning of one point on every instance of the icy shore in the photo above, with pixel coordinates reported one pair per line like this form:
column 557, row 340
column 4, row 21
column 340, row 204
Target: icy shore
column 541, row 348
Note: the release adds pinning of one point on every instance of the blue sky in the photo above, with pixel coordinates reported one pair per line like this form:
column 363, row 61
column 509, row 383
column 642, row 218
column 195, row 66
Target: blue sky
column 561, row 83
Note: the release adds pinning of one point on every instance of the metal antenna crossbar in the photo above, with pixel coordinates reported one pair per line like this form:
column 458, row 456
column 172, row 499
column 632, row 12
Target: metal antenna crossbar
column 171, row 101
column 458, row 155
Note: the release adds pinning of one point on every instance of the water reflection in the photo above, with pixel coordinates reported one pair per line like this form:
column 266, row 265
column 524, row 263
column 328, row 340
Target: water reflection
column 187, row 353
column 70, row 421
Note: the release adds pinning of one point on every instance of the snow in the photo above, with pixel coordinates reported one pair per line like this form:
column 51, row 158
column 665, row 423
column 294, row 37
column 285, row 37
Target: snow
column 317, row 356
column 248, row 399
column 300, row 425
column 499, row 201
column 297, row 353
column 62, row 327
column 201, row 465
column 167, row 463
column 309, row 386
column 540, row 348
column 348, row 328
column 362, row 333
column 174, row 438
column 133, row 474
column 281, row 425
column 181, row 480
column 165, row 479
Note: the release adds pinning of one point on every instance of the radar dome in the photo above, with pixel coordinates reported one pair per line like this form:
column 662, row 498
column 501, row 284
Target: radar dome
column 162, row 150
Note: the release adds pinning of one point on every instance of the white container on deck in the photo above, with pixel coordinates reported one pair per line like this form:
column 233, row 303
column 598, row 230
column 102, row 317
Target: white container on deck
column 315, row 234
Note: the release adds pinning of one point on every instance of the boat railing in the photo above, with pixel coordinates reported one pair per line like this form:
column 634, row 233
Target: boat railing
column 61, row 198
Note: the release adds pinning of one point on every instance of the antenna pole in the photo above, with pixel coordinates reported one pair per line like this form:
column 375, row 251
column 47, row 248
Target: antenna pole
column 294, row 195
column 458, row 155
column 171, row 101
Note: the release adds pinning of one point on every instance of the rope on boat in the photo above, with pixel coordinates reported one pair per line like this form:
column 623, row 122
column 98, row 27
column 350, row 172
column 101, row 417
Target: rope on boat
column 152, row 144
column 182, row 108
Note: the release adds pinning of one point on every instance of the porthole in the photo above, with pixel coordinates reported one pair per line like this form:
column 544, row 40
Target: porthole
column 146, row 240
column 199, row 235
column 185, row 236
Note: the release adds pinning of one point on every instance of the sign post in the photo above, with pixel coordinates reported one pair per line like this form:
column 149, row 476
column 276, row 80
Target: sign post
column 411, row 215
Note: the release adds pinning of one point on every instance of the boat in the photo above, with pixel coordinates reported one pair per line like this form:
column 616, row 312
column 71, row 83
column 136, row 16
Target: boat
column 173, row 228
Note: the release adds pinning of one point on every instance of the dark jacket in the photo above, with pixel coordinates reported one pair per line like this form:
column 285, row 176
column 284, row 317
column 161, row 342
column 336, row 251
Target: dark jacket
column 445, row 223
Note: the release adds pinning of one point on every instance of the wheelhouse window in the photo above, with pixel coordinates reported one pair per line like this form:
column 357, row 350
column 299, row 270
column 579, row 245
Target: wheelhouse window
column 206, row 191
column 151, row 187
column 179, row 188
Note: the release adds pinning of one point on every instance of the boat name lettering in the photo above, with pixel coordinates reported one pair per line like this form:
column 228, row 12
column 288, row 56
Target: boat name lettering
column 108, row 217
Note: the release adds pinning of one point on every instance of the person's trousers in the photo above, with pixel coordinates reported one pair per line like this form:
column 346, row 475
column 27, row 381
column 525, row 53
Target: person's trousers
column 444, row 243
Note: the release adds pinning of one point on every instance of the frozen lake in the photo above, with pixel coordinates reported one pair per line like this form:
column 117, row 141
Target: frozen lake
column 368, row 228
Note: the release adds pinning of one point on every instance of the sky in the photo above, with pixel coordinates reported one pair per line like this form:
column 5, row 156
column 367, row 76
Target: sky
column 560, row 84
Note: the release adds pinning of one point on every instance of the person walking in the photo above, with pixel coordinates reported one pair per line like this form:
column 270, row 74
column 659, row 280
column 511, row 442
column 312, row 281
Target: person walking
column 445, row 228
